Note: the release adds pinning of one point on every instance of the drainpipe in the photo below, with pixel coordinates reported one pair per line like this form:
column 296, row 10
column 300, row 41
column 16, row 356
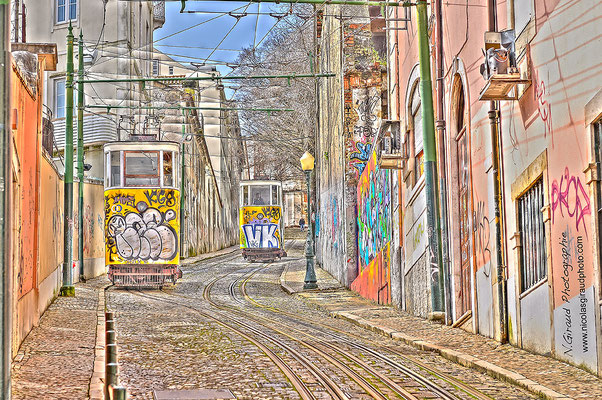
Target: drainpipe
column 440, row 127
column 430, row 164
column 494, row 121
column 5, row 186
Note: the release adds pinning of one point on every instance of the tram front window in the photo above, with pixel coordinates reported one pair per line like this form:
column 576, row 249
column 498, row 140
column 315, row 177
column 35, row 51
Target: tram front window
column 260, row 195
column 141, row 168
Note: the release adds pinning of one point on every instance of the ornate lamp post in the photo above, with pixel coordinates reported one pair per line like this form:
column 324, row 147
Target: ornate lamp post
column 307, row 163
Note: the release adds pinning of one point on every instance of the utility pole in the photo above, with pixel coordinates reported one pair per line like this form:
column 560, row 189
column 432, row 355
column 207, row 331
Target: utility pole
column 5, row 185
column 68, row 289
column 80, row 154
column 430, row 161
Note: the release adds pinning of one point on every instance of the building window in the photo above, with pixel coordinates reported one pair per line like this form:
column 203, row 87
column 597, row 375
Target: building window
column 66, row 10
column 416, row 112
column 523, row 12
column 59, row 98
column 171, row 70
column 532, row 236
column 155, row 67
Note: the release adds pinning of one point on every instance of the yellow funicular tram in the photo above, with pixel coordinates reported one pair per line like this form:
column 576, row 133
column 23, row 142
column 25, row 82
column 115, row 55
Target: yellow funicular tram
column 142, row 212
column 261, row 220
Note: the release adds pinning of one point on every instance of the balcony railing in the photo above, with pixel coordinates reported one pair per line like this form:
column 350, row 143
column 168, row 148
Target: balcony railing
column 158, row 14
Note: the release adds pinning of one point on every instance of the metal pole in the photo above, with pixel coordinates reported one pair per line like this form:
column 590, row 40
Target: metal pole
column 80, row 155
column 109, row 107
column 5, row 186
column 210, row 78
column 322, row 2
column 430, row 161
column 310, row 273
column 68, row 289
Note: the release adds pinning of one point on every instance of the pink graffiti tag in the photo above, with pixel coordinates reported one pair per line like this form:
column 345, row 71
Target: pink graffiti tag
column 543, row 107
column 569, row 195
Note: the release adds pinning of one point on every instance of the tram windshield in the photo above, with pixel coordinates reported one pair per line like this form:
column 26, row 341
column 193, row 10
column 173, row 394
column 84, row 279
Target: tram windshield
column 138, row 168
column 260, row 195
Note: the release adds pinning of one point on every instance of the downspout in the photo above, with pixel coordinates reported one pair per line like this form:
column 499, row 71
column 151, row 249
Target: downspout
column 494, row 121
column 5, row 215
column 430, row 164
column 440, row 127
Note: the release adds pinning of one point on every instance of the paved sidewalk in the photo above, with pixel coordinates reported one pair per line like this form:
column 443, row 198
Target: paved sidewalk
column 63, row 357
column 56, row 359
column 541, row 375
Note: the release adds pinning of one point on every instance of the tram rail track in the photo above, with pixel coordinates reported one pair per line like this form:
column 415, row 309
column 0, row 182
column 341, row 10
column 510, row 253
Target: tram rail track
column 253, row 329
column 458, row 384
column 318, row 346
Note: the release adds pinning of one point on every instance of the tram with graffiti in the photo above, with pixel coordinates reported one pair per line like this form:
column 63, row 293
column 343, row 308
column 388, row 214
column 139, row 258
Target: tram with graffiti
column 261, row 221
column 142, row 213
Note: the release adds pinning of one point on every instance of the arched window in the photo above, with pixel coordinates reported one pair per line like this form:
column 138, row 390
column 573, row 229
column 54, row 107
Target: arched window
column 415, row 112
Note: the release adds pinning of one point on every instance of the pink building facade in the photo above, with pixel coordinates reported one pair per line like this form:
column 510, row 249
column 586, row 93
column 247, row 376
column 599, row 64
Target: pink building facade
column 530, row 272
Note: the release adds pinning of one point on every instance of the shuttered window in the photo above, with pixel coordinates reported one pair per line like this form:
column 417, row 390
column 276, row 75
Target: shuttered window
column 532, row 236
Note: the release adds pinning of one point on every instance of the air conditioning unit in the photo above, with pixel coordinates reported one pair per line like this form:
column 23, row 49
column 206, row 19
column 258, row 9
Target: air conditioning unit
column 500, row 69
column 391, row 155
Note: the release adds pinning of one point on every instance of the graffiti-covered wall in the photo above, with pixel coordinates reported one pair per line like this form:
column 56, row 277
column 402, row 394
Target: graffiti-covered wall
column 374, row 233
column 351, row 116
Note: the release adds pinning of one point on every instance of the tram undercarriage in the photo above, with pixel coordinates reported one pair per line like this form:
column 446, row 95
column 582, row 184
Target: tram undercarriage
column 137, row 275
column 253, row 254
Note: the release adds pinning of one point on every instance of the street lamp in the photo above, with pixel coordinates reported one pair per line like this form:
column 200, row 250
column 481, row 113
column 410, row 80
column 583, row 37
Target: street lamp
column 307, row 164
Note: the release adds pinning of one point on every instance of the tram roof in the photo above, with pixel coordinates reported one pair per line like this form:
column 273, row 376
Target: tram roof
column 258, row 182
column 138, row 145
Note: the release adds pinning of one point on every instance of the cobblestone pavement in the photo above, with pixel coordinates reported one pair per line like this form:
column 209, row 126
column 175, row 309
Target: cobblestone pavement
column 536, row 371
column 56, row 359
column 227, row 321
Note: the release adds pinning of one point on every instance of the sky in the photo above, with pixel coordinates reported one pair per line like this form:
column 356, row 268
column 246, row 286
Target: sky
column 203, row 39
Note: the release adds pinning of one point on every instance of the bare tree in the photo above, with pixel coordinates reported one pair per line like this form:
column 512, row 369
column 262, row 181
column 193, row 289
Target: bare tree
column 279, row 138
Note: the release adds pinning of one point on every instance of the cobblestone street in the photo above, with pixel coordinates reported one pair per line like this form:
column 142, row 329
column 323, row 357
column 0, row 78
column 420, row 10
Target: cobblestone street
column 234, row 329
column 228, row 325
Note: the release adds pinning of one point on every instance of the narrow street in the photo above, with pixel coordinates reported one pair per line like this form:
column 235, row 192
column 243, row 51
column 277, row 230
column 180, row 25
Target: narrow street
column 300, row 199
column 229, row 325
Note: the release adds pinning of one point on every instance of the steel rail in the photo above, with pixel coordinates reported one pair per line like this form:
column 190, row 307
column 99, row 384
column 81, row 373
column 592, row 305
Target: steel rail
column 365, row 385
column 458, row 384
column 334, row 390
column 297, row 383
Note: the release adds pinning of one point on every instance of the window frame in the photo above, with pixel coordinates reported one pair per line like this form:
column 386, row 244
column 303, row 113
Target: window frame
column 67, row 4
column 125, row 175
column 60, row 93
column 536, row 274
column 417, row 155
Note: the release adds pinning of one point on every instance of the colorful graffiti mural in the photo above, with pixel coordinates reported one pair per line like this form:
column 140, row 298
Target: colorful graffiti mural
column 142, row 226
column 374, row 234
column 260, row 227
column 362, row 121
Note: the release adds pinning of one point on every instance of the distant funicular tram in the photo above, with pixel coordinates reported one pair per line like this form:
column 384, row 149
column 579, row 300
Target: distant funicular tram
column 142, row 213
column 261, row 220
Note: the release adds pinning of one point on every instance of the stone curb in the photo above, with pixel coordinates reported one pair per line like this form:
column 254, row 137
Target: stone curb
column 463, row 359
column 96, row 391
column 283, row 283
